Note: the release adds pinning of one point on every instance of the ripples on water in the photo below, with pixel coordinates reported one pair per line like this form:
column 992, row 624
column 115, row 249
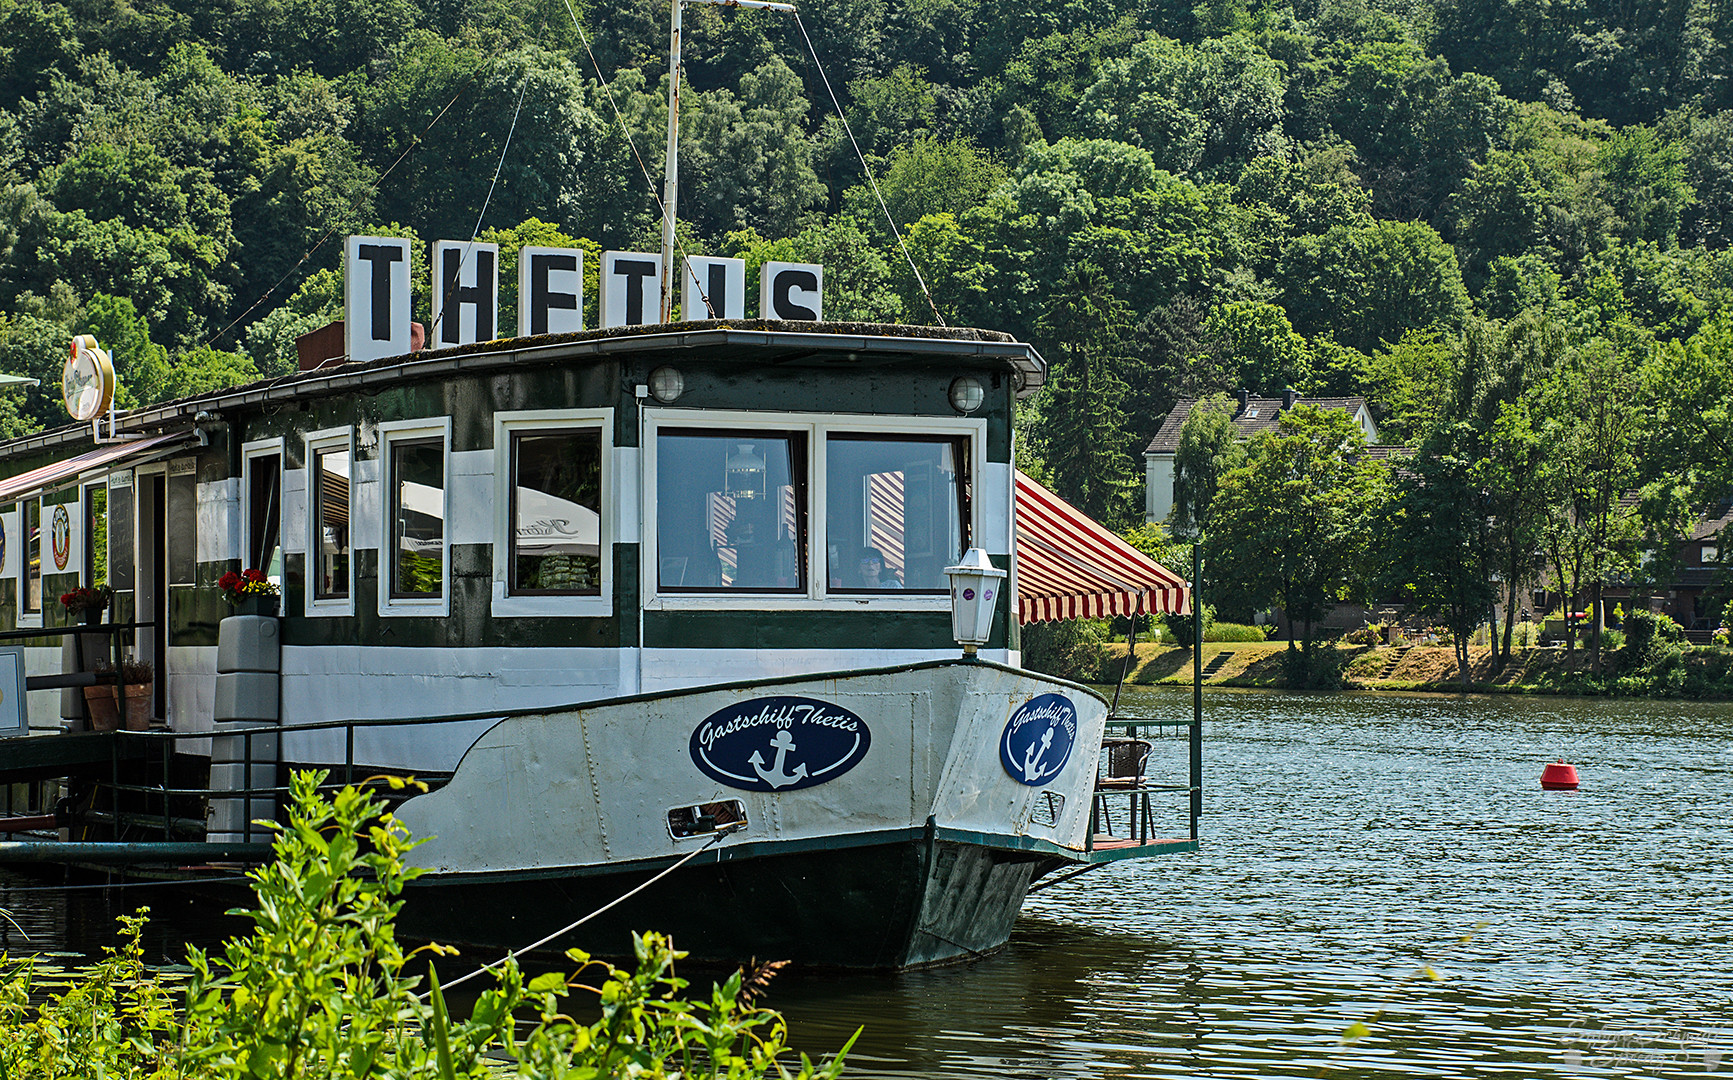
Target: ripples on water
column 1349, row 840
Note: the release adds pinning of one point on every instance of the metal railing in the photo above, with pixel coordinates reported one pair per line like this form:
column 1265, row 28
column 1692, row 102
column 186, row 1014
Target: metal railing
column 248, row 792
column 1137, row 790
column 72, row 680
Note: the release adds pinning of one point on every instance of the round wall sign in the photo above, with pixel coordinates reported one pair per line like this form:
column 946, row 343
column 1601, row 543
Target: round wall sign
column 60, row 536
column 779, row 743
column 1038, row 739
column 87, row 382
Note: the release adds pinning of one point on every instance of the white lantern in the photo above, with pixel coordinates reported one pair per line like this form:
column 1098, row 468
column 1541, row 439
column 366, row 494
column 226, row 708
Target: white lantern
column 975, row 587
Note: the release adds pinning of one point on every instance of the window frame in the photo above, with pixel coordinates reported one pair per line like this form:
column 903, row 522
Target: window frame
column 26, row 617
column 965, row 505
column 251, row 452
column 313, row 444
column 508, row 425
column 817, row 428
column 87, row 539
column 390, row 434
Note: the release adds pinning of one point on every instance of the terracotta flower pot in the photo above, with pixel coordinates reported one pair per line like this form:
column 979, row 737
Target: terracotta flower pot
column 104, row 711
column 139, row 705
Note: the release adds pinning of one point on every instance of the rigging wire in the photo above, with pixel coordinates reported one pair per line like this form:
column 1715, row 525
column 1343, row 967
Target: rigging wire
column 523, row 91
column 317, row 244
column 721, row 835
column 865, row 168
column 649, row 181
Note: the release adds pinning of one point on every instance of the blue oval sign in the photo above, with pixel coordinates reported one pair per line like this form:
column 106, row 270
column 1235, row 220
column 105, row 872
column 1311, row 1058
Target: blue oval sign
column 1038, row 739
column 779, row 743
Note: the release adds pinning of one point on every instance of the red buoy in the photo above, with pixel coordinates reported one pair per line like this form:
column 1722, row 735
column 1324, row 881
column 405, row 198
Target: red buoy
column 1559, row 777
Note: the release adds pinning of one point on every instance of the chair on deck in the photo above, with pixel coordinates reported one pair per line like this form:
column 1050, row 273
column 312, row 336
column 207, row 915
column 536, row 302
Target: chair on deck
column 1121, row 770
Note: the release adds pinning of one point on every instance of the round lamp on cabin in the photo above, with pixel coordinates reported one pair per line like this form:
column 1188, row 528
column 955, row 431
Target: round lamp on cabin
column 967, row 394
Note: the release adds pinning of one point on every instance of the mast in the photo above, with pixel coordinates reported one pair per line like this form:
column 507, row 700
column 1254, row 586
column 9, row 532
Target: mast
column 671, row 165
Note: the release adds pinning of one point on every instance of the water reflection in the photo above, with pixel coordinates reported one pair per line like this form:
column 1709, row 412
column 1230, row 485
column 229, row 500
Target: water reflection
column 1349, row 841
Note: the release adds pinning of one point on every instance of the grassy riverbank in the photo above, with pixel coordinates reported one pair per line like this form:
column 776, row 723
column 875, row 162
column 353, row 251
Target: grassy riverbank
column 1700, row 672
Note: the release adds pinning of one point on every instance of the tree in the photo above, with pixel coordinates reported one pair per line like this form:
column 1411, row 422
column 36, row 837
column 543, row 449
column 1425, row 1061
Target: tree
column 1439, row 553
column 1083, row 438
column 1369, row 285
column 1209, row 448
column 1292, row 527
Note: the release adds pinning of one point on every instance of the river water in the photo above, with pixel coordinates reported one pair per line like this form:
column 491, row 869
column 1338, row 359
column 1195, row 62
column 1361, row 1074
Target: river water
column 1383, row 890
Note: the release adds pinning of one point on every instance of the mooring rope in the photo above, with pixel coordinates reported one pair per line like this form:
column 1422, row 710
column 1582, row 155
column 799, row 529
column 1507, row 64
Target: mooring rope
column 721, row 834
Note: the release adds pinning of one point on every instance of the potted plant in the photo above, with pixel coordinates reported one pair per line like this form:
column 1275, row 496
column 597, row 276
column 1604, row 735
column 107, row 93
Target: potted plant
column 87, row 603
column 138, row 675
column 249, row 592
column 99, row 700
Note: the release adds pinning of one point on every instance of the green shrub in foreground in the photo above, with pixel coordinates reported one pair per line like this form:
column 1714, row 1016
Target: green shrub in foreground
column 321, row 989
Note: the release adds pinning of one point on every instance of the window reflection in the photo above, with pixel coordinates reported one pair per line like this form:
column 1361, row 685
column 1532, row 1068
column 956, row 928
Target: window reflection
column 331, row 524
column 731, row 511
column 32, row 603
column 556, row 543
column 896, row 511
column 417, row 518
column 265, row 516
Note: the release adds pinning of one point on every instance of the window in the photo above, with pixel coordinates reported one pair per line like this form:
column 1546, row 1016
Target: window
column 329, row 557
column 556, row 513
column 264, row 511
column 416, row 525
column 95, row 567
column 896, row 511
column 31, row 596
column 731, row 511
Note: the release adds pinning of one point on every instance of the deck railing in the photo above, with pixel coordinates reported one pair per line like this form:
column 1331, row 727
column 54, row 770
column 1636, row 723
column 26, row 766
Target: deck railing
column 1136, row 790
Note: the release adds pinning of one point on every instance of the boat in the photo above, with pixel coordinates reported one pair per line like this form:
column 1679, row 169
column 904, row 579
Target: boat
column 721, row 614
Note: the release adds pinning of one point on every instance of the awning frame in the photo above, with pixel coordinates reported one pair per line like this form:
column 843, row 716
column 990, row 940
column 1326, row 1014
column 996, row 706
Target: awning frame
column 1090, row 574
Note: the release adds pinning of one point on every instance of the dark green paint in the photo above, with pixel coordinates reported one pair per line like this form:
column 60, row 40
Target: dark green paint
column 888, row 906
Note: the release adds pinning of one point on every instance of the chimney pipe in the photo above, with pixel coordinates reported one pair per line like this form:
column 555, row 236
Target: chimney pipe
column 1245, row 399
column 1289, row 397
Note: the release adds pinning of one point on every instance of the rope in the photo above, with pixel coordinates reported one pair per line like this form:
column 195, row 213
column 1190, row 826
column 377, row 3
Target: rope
column 865, row 168
column 523, row 91
column 684, row 859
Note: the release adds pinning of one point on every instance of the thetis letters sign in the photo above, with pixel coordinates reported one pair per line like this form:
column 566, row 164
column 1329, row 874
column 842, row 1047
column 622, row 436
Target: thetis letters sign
column 779, row 743
column 1038, row 739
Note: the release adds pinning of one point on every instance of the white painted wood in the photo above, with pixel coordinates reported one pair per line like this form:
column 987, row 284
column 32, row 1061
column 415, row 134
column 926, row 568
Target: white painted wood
column 365, row 282
column 469, row 504
column 219, row 520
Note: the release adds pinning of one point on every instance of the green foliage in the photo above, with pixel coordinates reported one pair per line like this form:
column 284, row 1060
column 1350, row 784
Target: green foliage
column 1070, row 649
column 321, row 987
column 1182, row 629
column 1209, row 448
column 1293, row 526
column 1233, row 632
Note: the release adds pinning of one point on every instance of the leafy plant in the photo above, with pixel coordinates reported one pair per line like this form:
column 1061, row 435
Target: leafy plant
column 320, row 987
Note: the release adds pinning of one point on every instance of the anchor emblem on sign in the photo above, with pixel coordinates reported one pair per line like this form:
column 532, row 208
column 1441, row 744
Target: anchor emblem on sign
column 777, row 777
column 1037, row 752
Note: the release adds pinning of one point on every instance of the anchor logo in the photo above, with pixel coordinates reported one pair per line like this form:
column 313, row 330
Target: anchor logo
column 1032, row 760
column 1038, row 738
column 781, row 744
column 777, row 777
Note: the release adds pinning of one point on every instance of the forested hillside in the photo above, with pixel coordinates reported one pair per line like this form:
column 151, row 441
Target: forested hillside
column 1166, row 199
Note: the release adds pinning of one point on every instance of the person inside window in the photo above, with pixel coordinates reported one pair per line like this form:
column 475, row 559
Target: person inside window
column 873, row 574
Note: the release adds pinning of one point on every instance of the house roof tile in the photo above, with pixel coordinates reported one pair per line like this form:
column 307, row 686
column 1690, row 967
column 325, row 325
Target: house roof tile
column 1257, row 414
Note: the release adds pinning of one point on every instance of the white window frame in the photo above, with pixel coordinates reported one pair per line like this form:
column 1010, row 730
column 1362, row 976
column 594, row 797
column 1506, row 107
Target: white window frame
column 88, row 538
column 251, row 452
column 312, row 443
column 506, row 425
column 396, row 431
column 816, row 427
column 29, row 619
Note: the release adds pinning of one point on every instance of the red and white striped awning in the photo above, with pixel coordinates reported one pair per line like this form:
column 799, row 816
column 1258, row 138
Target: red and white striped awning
column 1069, row 567
column 105, row 459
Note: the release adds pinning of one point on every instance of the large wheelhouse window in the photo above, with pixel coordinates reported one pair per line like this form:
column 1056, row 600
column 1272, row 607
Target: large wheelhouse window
column 896, row 511
column 731, row 511
column 556, row 512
